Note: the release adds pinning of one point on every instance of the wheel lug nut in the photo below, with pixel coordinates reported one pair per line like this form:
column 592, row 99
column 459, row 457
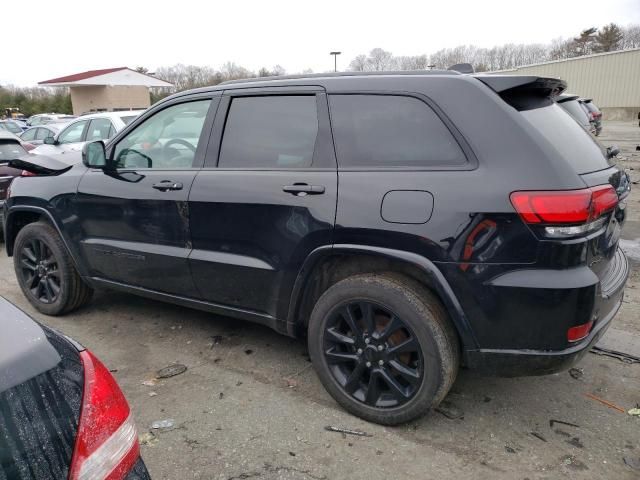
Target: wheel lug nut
column 380, row 362
column 380, row 348
column 367, row 341
column 359, row 351
column 368, row 364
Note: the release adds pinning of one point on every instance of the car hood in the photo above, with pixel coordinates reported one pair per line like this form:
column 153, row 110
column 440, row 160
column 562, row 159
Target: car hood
column 25, row 351
column 46, row 164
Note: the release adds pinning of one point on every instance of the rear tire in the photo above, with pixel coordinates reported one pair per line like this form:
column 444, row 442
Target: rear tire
column 383, row 347
column 45, row 271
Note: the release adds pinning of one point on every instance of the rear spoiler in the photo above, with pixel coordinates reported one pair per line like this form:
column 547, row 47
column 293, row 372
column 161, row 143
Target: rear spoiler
column 525, row 92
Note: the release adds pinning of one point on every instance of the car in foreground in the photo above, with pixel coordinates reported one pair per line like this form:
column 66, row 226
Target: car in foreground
column 37, row 135
column 404, row 223
column 88, row 128
column 46, row 118
column 62, row 414
column 594, row 114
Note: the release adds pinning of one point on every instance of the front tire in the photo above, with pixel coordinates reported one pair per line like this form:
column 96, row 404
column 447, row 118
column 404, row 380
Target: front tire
column 45, row 271
column 383, row 347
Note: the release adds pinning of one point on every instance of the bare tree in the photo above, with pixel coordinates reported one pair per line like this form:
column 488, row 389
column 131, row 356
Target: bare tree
column 359, row 64
column 630, row 37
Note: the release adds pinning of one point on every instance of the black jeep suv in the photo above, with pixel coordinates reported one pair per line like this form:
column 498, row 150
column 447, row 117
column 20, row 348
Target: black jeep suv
column 406, row 224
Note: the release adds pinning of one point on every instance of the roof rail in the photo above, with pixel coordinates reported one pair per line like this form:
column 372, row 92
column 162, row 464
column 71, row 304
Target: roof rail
column 342, row 74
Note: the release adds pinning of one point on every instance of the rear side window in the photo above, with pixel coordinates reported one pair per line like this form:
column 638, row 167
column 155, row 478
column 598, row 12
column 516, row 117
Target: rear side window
column 391, row 131
column 571, row 140
column 270, row 132
column 29, row 134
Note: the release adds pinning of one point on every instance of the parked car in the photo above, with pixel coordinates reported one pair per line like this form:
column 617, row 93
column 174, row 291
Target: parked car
column 96, row 126
column 46, row 118
column 37, row 135
column 594, row 114
column 62, row 412
column 432, row 220
column 10, row 149
column 571, row 104
column 11, row 126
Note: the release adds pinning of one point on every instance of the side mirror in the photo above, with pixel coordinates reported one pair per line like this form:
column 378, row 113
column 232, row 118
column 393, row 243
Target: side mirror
column 612, row 151
column 94, row 155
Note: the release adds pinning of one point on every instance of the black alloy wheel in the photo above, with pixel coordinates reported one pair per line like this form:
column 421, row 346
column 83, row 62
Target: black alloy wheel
column 373, row 354
column 40, row 271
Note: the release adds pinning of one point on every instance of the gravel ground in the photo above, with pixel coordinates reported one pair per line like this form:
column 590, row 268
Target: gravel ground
column 250, row 406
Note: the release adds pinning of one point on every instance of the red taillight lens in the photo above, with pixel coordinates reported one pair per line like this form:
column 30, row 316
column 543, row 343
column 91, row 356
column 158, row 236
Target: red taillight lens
column 579, row 332
column 107, row 443
column 28, row 146
column 26, row 173
column 564, row 207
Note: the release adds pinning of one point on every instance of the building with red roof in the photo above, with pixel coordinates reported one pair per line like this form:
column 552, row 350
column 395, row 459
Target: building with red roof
column 108, row 90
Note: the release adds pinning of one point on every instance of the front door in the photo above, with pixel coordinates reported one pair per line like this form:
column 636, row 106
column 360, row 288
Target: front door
column 265, row 199
column 135, row 217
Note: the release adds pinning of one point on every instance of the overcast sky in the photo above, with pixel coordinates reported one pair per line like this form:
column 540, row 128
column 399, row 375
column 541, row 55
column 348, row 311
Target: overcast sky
column 43, row 40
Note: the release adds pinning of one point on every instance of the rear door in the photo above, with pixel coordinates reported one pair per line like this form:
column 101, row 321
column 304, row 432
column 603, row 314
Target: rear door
column 135, row 219
column 265, row 199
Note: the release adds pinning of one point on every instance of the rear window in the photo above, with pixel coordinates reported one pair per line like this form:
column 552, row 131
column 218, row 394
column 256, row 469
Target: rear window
column 391, row 131
column 11, row 150
column 571, row 140
column 128, row 119
column 591, row 107
column 576, row 111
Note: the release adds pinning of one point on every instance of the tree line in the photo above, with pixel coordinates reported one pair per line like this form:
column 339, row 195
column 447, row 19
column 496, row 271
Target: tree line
column 591, row 40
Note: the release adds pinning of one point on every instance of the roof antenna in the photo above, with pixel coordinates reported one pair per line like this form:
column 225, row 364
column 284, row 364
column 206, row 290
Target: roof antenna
column 462, row 68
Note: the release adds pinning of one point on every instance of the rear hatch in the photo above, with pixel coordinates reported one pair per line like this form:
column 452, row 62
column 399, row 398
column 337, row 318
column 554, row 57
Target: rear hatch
column 41, row 385
column 534, row 98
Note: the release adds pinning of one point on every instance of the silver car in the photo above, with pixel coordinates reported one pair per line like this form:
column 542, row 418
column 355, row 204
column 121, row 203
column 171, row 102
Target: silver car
column 36, row 135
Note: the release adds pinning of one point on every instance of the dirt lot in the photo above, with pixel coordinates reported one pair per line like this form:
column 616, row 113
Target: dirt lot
column 250, row 405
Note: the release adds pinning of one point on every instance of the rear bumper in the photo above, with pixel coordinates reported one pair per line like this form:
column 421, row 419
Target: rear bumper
column 526, row 362
column 138, row 472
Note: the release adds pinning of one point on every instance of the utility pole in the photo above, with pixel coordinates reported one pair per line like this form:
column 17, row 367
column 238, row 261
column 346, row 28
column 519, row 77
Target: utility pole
column 335, row 60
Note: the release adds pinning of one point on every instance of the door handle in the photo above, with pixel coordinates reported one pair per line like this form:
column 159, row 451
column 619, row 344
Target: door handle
column 167, row 185
column 302, row 189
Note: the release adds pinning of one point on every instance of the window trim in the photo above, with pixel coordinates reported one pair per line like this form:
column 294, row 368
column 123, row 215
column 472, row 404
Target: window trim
column 472, row 160
column 205, row 135
column 323, row 154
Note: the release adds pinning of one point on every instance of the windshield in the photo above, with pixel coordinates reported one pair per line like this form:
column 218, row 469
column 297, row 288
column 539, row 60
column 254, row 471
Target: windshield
column 11, row 127
column 571, row 140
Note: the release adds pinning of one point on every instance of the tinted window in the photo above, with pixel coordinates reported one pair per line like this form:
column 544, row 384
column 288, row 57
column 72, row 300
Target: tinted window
column 575, row 110
column 29, row 135
column 390, row 131
column 99, row 129
column 73, row 133
column 158, row 143
column 571, row 140
column 270, row 132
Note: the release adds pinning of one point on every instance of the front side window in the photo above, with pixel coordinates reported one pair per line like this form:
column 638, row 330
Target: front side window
column 168, row 139
column 391, row 131
column 99, row 129
column 44, row 133
column 73, row 133
column 29, row 135
column 270, row 132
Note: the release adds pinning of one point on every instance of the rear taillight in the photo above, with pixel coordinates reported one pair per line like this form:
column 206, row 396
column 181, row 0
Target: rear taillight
column 27, row 173
column 567, row 212
column 579, row 332
column 107, row 443
column 28, row 146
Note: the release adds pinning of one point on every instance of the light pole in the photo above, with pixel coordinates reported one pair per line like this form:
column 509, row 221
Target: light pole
column 335, row 60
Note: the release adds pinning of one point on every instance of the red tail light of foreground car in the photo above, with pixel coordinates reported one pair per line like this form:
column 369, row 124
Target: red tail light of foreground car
column 107, row 442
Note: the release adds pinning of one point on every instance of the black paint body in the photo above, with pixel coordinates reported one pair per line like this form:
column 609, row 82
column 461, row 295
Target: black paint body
column 233, row 242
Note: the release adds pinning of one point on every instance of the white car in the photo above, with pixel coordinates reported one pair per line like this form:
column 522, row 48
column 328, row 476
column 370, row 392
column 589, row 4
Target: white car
column 87, row 128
